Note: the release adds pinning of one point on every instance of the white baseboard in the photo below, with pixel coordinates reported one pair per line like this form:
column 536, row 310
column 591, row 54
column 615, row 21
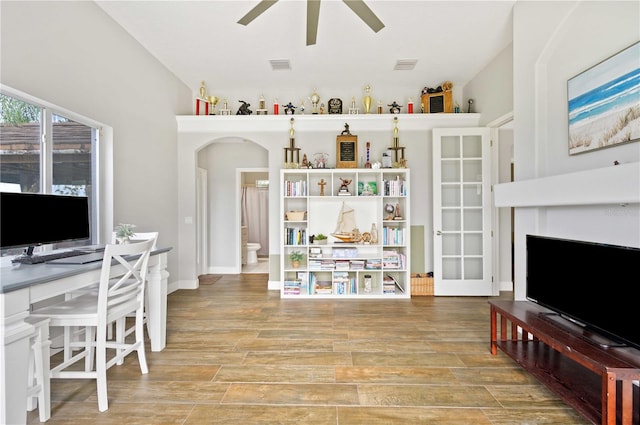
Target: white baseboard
column 506, row 285
column 274, row 285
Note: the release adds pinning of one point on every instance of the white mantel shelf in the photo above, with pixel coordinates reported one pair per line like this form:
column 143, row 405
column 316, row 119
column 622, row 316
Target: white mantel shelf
column 325, row 122
column 617, row 184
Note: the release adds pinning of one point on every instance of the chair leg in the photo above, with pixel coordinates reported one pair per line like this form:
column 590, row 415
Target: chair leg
column 101, row 370
column 121, row 325
column 90, row 332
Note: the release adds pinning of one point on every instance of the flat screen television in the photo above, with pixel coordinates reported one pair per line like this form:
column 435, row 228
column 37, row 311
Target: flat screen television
column 31, row 219
column 595, row 285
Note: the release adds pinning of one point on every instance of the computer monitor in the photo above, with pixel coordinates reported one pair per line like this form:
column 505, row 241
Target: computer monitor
column 31, row 219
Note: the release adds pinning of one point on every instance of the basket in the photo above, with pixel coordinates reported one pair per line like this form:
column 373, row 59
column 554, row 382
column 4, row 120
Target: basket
column 421, row 284
column 295, row 215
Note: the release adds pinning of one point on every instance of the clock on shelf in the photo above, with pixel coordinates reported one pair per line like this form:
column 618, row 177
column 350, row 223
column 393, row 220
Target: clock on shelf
column 434, row 103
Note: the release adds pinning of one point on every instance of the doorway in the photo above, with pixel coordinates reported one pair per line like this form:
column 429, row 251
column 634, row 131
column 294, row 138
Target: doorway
column 254, row 220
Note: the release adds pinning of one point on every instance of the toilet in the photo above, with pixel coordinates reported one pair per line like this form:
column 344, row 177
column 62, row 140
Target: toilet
column 252, row 252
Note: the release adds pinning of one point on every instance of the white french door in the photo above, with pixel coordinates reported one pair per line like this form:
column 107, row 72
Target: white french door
column 462, row 211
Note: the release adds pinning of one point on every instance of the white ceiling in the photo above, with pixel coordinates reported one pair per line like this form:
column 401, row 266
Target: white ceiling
column 201, row 40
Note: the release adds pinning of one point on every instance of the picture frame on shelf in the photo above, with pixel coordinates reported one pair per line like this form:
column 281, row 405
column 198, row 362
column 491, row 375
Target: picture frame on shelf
column 347, row 151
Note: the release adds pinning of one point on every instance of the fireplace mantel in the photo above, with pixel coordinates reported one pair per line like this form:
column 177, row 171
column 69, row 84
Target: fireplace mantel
column 617, row 184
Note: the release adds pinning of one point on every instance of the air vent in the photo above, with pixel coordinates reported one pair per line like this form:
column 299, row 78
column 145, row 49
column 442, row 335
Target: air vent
column 405, row 64
column 280, row 65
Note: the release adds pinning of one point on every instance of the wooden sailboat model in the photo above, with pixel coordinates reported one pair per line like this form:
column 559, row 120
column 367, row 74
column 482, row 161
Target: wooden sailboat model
column 346, row 229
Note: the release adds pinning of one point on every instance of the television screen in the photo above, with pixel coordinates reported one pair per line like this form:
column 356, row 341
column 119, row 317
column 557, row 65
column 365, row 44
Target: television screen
column 30, row 219
column 594, row 284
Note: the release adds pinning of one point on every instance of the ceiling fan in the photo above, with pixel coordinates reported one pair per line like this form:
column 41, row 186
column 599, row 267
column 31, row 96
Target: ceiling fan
column 313, row 12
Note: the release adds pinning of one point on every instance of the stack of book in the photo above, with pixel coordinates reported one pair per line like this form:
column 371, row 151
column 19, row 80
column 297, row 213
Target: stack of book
column 393, row 260
column 342, row 264
column 323, row 287
column 374, row 264
column 357, row 264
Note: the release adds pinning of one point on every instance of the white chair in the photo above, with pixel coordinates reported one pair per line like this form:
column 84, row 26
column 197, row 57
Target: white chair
column 38, row 386
column 116, row 298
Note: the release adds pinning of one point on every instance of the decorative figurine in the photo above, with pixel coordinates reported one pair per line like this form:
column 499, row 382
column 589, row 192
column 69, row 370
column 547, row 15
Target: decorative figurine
column 301, row 107
column 244, row 108
column 305, row 162
column 410, row 106
column 289, row 109
column 276, row 107
column 395, row 108
column 322, row 183
column 344, row 187
column 470, row 110
column 396, row 213
column 321, row 159
column 380, row 106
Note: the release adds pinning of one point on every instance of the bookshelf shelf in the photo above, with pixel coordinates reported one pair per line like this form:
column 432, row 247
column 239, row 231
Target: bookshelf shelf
column 375, row 266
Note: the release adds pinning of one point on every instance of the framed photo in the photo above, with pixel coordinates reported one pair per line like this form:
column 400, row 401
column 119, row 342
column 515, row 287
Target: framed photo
column 604, row 103
column 347, row 151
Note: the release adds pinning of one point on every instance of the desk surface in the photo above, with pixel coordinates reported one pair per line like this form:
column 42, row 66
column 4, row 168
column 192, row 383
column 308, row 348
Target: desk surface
column 18, row 276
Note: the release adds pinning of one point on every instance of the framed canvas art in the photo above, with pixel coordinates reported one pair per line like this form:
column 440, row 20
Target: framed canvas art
column 604, row 103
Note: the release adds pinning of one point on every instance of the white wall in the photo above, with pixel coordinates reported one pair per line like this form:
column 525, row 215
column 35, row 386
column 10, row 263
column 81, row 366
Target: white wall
column 492, row 88
column 71, row 54
column 554, row 41
column 315, row 134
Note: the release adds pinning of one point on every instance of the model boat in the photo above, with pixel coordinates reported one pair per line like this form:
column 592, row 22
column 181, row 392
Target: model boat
column 346, row 229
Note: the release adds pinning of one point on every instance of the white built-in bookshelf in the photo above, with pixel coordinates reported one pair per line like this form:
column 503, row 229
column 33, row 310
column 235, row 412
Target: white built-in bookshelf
column 374, row 265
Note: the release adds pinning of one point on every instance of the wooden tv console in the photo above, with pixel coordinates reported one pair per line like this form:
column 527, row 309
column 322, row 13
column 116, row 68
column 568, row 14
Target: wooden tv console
column 595, row 380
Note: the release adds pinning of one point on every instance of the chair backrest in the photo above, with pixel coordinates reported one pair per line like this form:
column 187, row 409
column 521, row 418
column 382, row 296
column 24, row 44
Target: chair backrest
column 122, row 279
column 139, row 236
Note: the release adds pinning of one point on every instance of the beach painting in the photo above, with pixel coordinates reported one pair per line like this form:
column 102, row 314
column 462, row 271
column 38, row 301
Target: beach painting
column 604, row 103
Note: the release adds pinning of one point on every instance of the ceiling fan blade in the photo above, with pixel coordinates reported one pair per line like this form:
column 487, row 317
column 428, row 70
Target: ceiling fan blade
column 363, row 11
column 313, row 13
column 256, row 11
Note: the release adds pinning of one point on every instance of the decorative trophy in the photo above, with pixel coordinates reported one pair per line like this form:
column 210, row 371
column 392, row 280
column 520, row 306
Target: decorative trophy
column 202, row 99
column 315, row 100
column 353, row 110
column 366, row 100
column 290, row 150
column 225, row 107
column 396, row 144
column 262, row 107
column 213, row 101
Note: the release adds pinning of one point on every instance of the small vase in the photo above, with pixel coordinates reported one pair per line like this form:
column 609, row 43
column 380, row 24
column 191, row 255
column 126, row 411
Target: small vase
column 295, row 264
column 374, row 233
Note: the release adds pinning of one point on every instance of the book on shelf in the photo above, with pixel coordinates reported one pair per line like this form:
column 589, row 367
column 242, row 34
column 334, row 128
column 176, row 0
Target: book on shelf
column 323, row 287
column 295, row 188
column 373, row 264
column 391, row 281
column 342, row 264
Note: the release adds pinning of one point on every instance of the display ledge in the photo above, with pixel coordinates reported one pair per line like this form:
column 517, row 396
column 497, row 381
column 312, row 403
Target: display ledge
column 325, row 122
column 617, row 184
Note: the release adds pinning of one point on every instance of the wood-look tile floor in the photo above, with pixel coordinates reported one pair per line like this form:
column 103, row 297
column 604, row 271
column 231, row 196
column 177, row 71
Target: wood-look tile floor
column 238, row 354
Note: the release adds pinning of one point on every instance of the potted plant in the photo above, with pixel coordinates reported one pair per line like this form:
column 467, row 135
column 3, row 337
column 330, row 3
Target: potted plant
column 296, row 257
column 320, row 239
column 124, row 232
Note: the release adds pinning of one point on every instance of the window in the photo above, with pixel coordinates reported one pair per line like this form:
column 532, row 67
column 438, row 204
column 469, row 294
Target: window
column 42, row 151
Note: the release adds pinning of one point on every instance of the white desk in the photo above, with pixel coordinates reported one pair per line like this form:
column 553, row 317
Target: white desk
column 23, row 285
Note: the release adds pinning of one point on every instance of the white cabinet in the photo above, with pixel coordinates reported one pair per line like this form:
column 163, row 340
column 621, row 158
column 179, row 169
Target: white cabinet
column 366, row 254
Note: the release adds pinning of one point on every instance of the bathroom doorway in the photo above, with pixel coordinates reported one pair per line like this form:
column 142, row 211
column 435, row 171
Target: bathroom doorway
column 254, row 208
